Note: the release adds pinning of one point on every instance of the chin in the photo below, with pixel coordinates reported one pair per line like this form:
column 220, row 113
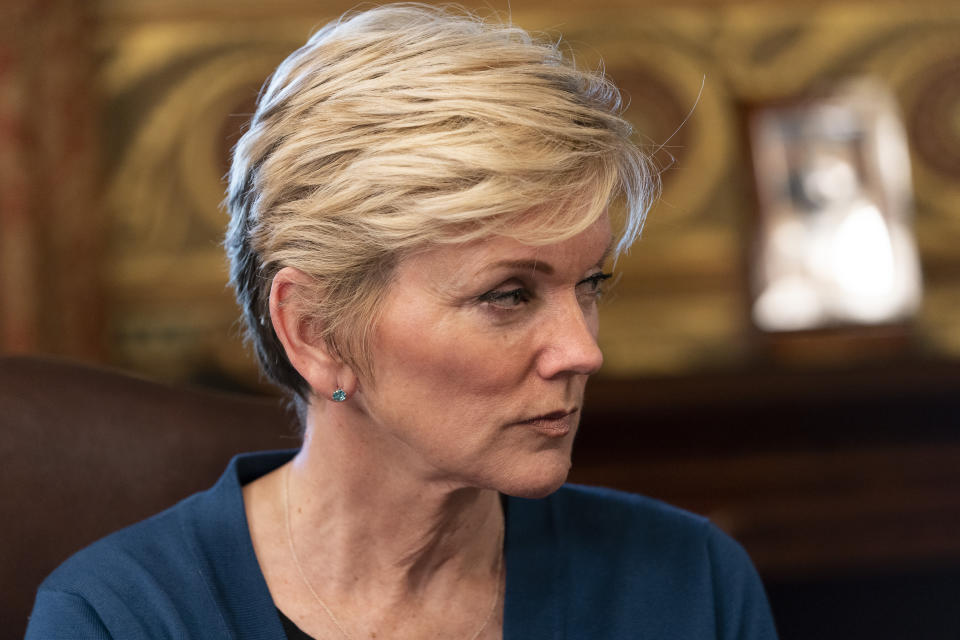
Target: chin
column 538, row 481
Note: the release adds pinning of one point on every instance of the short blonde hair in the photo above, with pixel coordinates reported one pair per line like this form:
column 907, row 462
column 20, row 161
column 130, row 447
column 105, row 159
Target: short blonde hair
column 406, row 126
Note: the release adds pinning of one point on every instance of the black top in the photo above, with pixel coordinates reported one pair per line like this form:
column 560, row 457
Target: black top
column 291, row 629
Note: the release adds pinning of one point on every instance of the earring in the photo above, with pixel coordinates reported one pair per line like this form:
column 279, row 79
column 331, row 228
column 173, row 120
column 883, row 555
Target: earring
column 339, row 395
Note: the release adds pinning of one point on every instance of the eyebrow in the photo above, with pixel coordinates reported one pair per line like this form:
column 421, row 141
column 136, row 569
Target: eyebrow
column 534, row 265
column 545, row 267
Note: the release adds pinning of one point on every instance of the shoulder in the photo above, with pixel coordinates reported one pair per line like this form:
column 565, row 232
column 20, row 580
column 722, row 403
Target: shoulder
column 127, row 555
column 616, row 523
column 181, row 571
column 612, row 503
column 607, row 532
column 616, row 519
column 175, row 544
column 109, row 582
column 672, row 572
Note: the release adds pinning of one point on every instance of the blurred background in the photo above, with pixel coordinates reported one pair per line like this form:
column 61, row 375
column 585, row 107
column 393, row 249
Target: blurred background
column 782, row 350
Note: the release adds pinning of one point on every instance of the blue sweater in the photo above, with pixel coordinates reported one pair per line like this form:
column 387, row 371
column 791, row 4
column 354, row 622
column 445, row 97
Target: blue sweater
column 583, row 563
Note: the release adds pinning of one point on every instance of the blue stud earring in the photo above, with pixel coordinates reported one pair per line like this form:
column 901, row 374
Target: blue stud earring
column 339, row 395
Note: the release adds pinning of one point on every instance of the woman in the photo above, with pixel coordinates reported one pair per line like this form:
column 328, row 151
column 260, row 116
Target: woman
column 419, row 229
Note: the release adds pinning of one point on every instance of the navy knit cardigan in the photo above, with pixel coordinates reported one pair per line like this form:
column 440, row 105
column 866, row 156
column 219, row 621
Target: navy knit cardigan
column 583, row 563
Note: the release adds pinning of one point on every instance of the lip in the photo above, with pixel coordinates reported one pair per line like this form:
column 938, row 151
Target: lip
column 555, row 424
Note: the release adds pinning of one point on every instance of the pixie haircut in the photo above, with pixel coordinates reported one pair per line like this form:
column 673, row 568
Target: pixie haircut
column 408, row 126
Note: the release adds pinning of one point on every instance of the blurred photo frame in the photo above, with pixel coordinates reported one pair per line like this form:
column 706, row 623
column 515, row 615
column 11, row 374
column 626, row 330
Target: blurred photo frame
column 832, row 240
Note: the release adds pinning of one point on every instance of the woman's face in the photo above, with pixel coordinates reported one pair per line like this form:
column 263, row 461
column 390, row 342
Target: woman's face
column 481, row 357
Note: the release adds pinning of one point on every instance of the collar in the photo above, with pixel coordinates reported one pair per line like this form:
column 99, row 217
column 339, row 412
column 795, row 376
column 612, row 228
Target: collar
column 218, row 527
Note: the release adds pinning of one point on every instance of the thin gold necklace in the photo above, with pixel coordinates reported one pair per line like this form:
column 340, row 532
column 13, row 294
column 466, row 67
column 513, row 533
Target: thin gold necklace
column 333, row 618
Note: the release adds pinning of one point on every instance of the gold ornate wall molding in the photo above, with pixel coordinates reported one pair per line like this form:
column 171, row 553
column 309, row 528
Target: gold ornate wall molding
column 179, row 77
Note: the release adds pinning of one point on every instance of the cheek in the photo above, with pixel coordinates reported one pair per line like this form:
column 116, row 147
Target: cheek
column 446, row 358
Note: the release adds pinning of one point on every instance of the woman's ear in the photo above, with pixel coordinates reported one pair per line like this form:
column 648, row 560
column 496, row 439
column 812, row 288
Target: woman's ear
column 306, row 350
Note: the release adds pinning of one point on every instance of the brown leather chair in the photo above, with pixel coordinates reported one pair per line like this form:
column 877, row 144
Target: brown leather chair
column 85, row 451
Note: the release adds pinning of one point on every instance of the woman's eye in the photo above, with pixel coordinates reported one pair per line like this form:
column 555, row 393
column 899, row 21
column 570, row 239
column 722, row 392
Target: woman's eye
column 593, row 286
column 506, row 299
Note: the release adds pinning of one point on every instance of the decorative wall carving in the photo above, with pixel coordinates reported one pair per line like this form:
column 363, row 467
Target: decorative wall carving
column 179, row 79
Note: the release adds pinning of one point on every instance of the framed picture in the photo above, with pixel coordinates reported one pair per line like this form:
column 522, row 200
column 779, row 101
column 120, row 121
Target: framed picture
column 833, row 243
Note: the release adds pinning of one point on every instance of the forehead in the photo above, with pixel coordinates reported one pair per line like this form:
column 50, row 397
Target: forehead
column 472, row 259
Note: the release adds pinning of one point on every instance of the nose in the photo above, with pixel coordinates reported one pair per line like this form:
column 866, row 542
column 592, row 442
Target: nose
column 570, row 345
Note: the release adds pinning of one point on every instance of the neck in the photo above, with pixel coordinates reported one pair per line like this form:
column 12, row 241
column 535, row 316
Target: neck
column 366, row 519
